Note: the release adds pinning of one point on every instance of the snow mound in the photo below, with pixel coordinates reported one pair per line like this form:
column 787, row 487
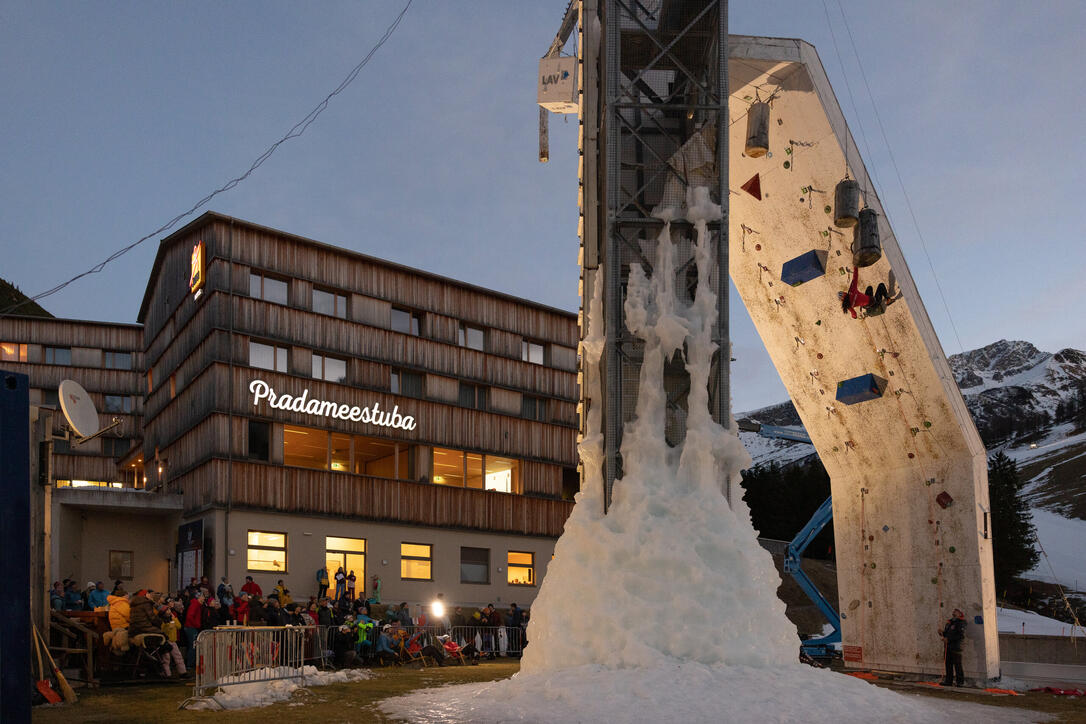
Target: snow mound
column 670, row 539
column 1032, row 623
column 263, row 693
column 682, row 692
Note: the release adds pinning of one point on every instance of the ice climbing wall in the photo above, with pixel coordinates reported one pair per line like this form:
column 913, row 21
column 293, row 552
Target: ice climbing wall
column 908, row 470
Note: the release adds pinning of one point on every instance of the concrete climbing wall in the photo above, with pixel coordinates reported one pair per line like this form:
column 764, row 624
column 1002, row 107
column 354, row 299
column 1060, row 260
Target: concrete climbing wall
column 904, row 560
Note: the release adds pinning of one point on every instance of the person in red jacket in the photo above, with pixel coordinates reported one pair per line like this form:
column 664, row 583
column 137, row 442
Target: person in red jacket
column 252, row 587
column 191, row 628
column 240, row 610
column 873, row 302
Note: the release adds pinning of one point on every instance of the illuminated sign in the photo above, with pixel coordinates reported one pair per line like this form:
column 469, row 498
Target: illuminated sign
column 373, row 415
column 196, row 278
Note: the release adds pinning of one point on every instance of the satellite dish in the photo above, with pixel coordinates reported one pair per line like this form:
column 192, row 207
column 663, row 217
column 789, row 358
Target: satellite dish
column 76, row 405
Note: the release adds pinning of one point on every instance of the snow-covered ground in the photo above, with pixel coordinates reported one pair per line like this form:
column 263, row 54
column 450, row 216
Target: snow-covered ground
column 1053, row 443
column 263, row 693
column 1028, row 622
column 673, row 691
column 1064, row 540
column 782, row 452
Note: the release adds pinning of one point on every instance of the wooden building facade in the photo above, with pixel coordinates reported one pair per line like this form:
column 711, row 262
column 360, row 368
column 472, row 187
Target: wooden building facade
column 313, row 406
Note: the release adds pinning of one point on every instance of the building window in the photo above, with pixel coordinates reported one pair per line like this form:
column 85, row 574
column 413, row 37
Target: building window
column 502, row 474
column 416, row 562
column 267, row 288
column 329, row 368
column 267, row 356
column 259, row 440
column 473, row 396
column 120, row 565
column 533, row 408
column 305, row 447
column 58, row 355
column 348, row 554
column 118, row 403
column 406, row 322
column 531, row 352
column 12, row 352
column 383, row 458
column 341, row 452
column 408, row 384
column 50, row 398
column 520, row 569
column 472, row 337
column 474, row 565
column 115, row 447
column 267, row 551
column 330, row 303
column 118, row 360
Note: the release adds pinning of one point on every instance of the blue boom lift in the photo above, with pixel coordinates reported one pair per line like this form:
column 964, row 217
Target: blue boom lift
column 823, row 646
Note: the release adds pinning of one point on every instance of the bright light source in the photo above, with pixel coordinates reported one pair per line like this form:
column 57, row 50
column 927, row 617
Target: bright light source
column 438, row 608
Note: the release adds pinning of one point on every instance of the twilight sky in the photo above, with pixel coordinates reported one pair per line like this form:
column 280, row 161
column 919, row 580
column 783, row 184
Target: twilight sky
column 119, row 116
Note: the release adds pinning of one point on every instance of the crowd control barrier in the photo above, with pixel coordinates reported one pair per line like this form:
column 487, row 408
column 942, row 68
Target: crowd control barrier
column 230, row 656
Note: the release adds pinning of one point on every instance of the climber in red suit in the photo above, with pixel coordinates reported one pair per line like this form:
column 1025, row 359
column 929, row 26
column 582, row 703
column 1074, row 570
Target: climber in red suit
column 872, row 302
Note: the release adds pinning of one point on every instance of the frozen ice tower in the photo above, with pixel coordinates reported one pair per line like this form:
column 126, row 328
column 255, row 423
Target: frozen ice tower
column 674, row 569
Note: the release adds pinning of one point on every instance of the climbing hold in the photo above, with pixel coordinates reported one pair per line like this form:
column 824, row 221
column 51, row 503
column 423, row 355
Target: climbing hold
column 853, row 604
column 860, row 389
column 804, row 267
column 943, row 499
column 787, row 165
column 885, row 528
column 780, row 121
column 818, row 323
column 935, row 580
column 828, row 209
column 911, row 456
column 757, row 130
column 753, row 187
column 914, row 430
column 872, row 565
column 835, row 448
column 927, row 423
column 819, row 355
column 866, row 247
column 871, row 537
column 891, row 373
column 952, row 549
column 846, row 198
column 757, row 247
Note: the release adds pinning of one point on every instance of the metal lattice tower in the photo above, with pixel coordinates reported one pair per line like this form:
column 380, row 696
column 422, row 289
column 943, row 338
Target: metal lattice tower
column 654, row 79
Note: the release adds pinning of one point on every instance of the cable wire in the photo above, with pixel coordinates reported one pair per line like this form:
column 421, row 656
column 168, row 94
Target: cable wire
column 897, row 172
column 296, row 130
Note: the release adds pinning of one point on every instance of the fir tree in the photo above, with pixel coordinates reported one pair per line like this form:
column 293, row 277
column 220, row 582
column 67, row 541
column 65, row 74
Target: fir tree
column 1013, row 535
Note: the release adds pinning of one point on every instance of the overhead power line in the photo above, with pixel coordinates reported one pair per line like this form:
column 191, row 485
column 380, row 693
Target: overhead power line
column 296, row 130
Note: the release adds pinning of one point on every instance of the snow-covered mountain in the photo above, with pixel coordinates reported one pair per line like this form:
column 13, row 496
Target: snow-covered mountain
column 1011, row 388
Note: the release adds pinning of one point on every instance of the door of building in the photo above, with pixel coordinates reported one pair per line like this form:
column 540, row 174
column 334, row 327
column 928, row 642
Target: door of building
column 349, row 554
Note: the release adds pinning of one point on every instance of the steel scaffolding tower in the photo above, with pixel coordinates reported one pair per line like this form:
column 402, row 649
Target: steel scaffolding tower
column 654, row 77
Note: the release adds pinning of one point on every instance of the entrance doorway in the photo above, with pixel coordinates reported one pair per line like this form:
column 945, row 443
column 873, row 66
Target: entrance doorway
column 348, row 554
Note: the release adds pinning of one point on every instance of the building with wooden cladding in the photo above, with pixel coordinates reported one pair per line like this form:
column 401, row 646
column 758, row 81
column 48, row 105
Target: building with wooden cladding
column 443, row 458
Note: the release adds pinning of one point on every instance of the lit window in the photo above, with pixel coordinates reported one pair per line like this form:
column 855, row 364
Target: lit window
column 502, row 474
column 448, row 467
column 267, row 356
column 383, row 458
column 348, row 554
column 118, row 360
column 267, row 288
column 12, row 352
column 118, row 403
column 474, row 565
column 330, row 303
column 473, row 396
column 329, row 368
column 58, row 355
column 416, row 562
column 267, row 551
column 305, row 447
column 531, row 352
column 341, row 452
column 533, row 408
column 408, row 384
column 520, row 568
column 405, row 321
column 471, row 337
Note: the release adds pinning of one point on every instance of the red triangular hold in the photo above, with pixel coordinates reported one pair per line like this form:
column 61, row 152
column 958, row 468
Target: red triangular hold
column 753, row 187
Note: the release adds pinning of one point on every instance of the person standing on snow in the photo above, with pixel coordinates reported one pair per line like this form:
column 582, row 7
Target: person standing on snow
column 953, row 635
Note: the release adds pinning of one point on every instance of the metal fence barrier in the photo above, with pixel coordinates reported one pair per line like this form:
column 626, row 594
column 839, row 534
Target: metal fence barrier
column 496, row 640
column 244, row 655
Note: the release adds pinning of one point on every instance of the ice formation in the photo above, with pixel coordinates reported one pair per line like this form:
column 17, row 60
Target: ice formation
column 672, row 570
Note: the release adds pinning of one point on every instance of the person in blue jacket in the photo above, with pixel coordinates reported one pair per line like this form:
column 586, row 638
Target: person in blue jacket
column 97, row 597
